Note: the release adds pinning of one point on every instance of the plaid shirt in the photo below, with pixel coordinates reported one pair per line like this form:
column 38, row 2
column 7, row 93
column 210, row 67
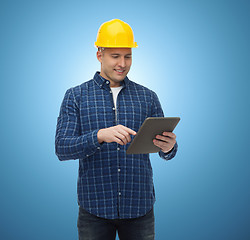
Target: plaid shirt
column 110, row 184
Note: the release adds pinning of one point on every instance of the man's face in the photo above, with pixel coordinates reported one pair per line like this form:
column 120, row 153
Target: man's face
column 115, row 64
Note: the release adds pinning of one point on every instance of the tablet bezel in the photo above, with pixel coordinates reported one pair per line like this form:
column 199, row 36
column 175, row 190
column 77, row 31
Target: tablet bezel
column 152, row 126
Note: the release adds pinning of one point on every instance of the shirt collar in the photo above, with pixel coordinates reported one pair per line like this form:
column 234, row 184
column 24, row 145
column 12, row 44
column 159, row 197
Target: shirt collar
column 104, row 83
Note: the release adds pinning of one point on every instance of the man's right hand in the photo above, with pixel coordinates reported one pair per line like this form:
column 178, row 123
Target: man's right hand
column 119, row 134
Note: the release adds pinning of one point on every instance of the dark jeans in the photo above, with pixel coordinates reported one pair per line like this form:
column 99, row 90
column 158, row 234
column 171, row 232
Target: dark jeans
column 91, row 227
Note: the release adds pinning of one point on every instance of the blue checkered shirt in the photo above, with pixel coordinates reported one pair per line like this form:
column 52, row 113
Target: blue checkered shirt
column 110, row 184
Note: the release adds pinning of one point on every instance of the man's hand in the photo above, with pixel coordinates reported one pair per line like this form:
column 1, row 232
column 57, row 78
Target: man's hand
column 167, row 141
column 119, row 134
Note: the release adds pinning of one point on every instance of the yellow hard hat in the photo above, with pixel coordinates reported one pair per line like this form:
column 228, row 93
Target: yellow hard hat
column 115, row 34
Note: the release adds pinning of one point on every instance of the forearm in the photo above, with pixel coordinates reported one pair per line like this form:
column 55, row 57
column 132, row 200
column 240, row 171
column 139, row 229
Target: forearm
column 70, row 141
column 72, row 147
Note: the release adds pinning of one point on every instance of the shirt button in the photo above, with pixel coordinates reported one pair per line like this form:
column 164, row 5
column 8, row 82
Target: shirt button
column 120, row 194
column 98, row 148
column 107, row 82
column 110, row 91
column 87, row 155
column 119, row 169
column 113, row 108
column 118, row 149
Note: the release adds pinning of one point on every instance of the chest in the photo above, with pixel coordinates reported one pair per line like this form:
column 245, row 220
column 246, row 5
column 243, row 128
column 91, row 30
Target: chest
column 97, row 109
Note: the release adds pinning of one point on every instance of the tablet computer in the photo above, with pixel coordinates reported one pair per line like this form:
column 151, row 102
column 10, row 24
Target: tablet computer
column 152, row 126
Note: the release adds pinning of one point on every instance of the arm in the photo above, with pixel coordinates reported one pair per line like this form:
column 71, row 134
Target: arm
column 69, row 143
column 156, row 111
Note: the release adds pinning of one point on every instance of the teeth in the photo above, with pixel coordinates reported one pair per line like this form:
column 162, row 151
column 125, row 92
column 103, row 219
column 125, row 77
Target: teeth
column 119, row 71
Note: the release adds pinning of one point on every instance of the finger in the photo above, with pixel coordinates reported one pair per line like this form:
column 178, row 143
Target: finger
column 128, row 130
column 125, row 134
column 166, row 140
column 121, row 137
column 118, row 140
column 162, row 145
column 162, row 138
column 169, row 134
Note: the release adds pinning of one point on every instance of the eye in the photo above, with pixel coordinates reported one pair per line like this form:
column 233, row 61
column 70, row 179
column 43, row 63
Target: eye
column 128, row 57
column 114, row 56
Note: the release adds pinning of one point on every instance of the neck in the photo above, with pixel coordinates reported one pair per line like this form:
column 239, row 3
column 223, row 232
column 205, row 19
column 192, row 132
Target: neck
column 112, row 83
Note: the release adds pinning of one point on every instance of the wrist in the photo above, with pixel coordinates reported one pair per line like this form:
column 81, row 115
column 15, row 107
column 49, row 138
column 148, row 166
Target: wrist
column 99, row 136
column 169, row 151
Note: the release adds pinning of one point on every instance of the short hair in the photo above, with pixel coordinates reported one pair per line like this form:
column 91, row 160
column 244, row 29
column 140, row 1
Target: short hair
column 101, row 49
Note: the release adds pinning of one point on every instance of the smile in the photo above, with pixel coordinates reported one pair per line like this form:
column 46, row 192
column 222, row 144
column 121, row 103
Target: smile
column 119, row 71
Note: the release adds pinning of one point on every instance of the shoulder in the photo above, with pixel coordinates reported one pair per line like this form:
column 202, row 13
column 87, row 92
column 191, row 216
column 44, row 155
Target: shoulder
column 76, row 92
column 85, row 85
column 133, row 86
column 137, row 86
column 82, row 87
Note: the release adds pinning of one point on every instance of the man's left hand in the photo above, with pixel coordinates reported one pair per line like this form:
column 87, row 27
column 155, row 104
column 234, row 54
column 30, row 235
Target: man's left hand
column 165, row 142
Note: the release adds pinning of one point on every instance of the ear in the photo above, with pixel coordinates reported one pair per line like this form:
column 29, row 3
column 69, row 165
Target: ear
column 99, row 56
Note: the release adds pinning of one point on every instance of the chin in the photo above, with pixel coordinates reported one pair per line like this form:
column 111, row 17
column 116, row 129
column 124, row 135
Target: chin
column 119, row 78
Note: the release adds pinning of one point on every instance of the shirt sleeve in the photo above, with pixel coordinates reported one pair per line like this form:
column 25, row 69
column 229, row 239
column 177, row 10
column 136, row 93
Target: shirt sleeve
column 156, row 111
column 69, row 143
column 169, row 155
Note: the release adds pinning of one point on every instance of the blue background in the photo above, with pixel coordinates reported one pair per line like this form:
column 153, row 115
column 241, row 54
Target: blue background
column 194, row 54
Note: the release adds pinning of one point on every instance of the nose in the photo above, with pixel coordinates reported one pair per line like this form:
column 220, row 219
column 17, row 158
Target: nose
column 122, row 62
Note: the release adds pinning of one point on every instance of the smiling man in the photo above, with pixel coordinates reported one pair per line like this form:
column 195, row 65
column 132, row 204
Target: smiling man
column 115, row 64
column 96, row 123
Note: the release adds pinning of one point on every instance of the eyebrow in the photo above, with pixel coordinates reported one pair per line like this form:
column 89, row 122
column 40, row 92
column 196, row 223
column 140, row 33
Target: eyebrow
column 117, row 54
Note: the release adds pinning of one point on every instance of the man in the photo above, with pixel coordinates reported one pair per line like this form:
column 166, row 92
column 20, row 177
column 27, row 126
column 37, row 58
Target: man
column 97, row 121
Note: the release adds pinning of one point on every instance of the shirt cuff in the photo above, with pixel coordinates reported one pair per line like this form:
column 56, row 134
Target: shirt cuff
column 169, row 155
column 93, row 143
